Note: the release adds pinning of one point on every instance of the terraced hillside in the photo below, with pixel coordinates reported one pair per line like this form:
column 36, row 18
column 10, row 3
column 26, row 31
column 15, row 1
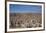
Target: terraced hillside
column 25, row 20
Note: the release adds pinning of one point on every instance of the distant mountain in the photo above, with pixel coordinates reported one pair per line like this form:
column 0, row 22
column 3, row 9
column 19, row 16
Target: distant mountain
column 14, row 14
column 25, row 12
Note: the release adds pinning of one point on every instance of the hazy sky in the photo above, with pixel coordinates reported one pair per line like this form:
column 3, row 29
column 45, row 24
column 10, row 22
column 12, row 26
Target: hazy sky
column 16, row 8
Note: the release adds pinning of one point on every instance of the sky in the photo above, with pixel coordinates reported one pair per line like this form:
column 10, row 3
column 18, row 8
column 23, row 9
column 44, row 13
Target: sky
column 17, row 8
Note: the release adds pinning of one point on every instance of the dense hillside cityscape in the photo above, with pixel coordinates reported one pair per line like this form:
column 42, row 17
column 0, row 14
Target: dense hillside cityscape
column 29, row 20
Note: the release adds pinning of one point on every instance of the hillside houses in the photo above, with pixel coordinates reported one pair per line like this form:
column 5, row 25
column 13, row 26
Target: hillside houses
column 25, row 21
